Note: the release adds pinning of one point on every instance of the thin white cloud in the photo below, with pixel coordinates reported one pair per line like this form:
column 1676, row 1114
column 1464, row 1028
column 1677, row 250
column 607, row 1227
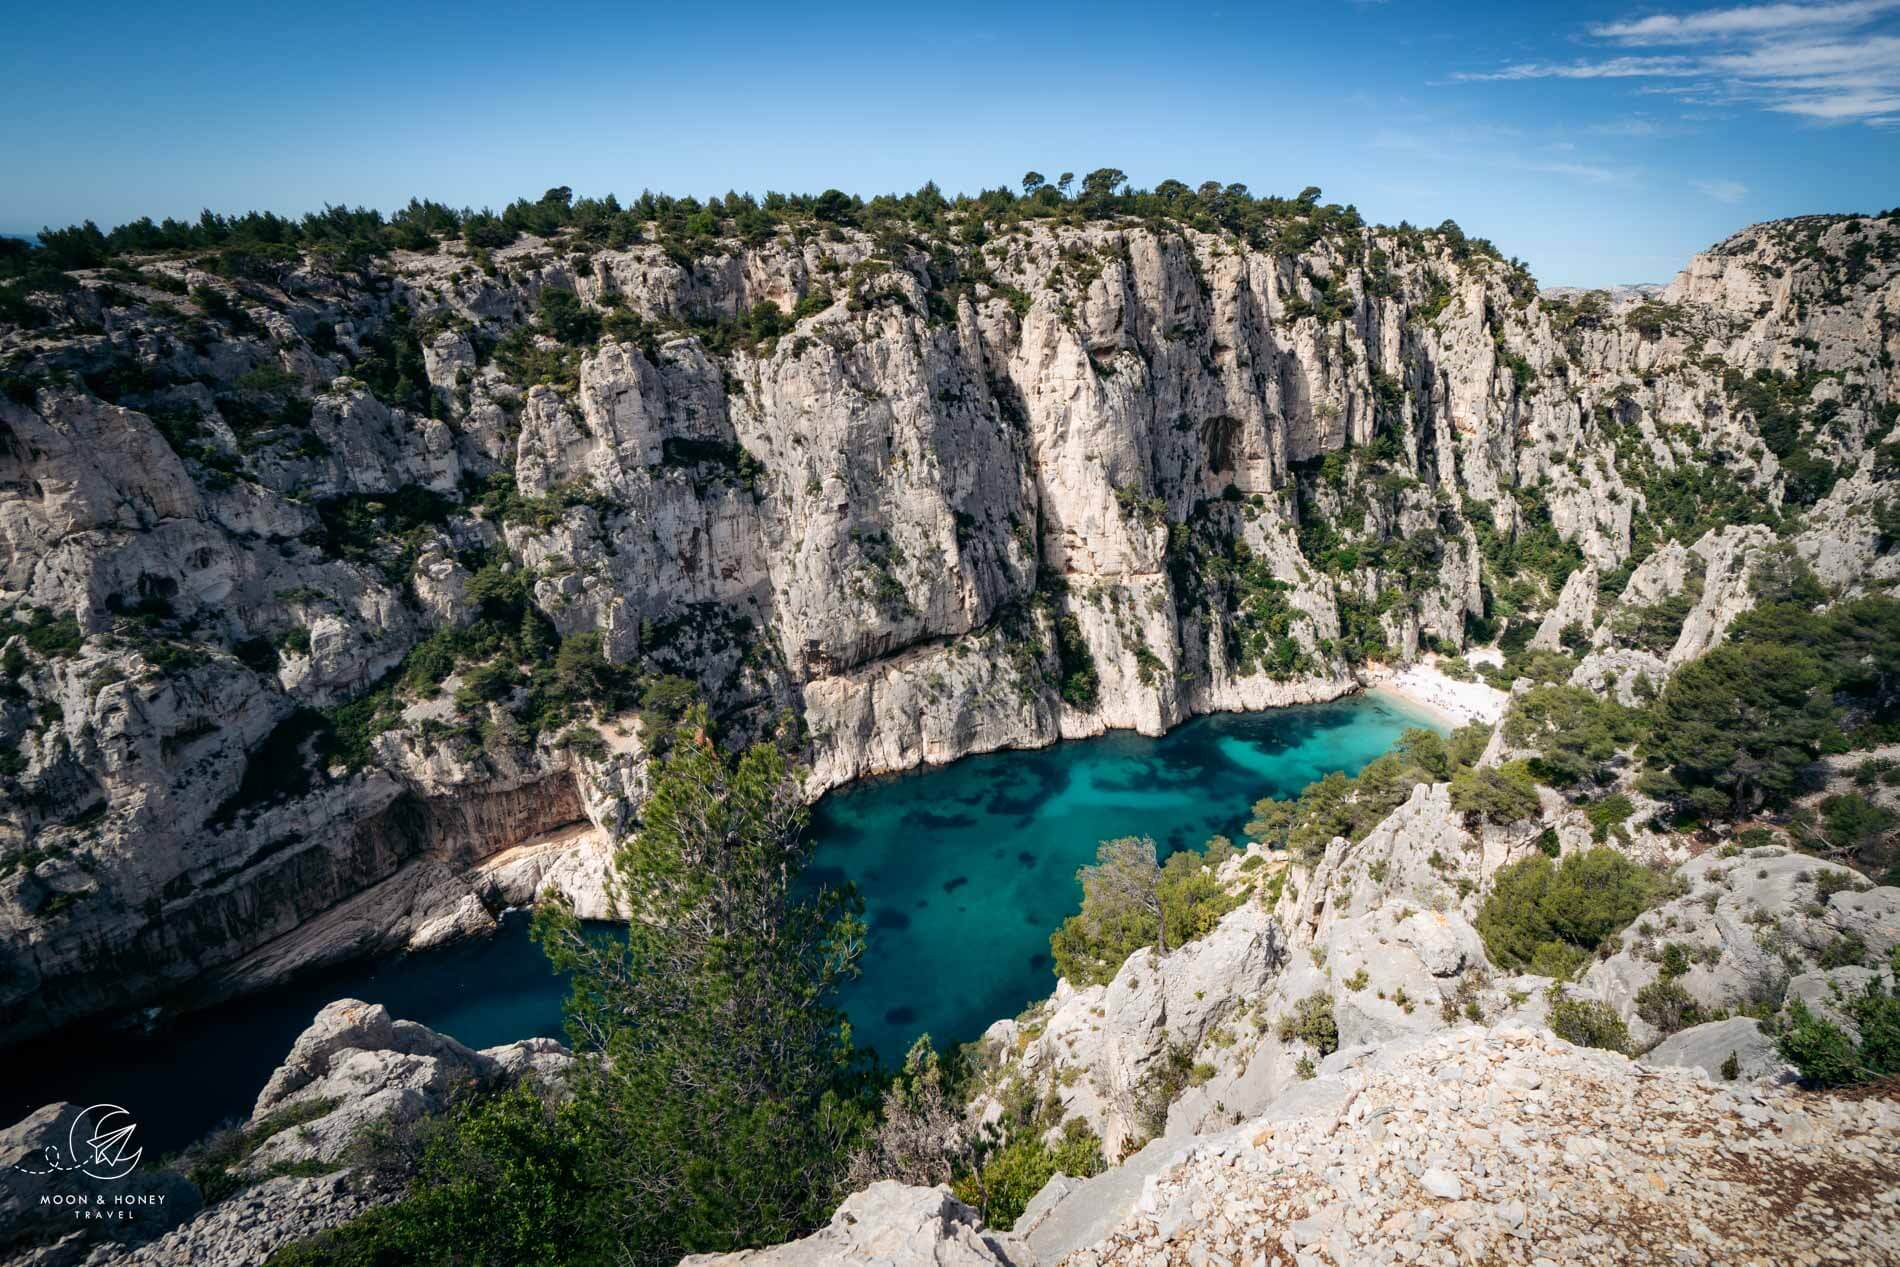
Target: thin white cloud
column 1632, row 128
column 1833, row 62
column 1875, row 56
column 1744, row 20
column 1723, row 190
column 1489, row 148
column 1615, row 68
column 1588, row 172
column 1838, row 106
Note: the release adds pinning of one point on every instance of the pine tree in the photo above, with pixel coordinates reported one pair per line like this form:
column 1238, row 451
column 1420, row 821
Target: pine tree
column 714, row 1073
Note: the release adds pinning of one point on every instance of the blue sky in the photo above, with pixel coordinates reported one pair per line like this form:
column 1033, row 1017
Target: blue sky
column 1601, row 142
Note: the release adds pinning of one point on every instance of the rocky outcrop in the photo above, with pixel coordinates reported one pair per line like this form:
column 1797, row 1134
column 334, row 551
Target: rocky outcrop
column 886, row 1224
column 1377, row 934
column 358, row 1066
column 1100, row 1050
column 1504, row 1146
column 355, row 1068
column 1749, row 925
column 58, row 1201
column 1088, row 475
column 1469, row 1145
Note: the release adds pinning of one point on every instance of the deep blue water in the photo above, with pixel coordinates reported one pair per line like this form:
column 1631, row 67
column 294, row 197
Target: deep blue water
column 965, row 870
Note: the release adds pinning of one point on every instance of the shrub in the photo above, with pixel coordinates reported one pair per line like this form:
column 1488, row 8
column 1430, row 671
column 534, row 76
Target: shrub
column 1192, row 899
column 1129, row 902
column 1609, row 813
column 1160, row 1086
column 1574, row 732
column 1742, row 722
column 526, row 363
column 1496, row 794
column 1655, row 628
column 1589, row 1023
column 922, row 1136
column 1667, row 1006
column 1311, row 1022
column 213, row 1164
column 1820, row 1049
column 1542, row 915
column 1018, row 1171
column 507, row 1181
column 1594, row 894
column 1828, row 883
column 44, row 633
column 1121, row 913
column 1846, row 951
column 567, row 319
column 1080, row 682
column 1850, row 821
column 1338, row 805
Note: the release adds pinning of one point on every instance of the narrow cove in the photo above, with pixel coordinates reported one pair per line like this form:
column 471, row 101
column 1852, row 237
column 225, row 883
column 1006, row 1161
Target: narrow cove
column 965, row 870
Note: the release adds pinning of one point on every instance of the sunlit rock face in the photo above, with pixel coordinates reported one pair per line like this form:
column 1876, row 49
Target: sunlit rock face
column 1084, row 476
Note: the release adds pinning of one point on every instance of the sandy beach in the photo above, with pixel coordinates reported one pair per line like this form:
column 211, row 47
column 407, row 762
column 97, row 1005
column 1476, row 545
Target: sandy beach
column 1454, row 703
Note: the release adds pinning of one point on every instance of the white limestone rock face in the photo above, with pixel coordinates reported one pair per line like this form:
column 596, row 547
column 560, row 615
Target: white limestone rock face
column 1576, row 605
column 1110, row 474
column 1711, row 1047
column 359, row 1066
column 1750, row 926
column 1098, row 1048
column 364, row 1067
column 1728, row 558
column 886, row 1225
column 1380, row 928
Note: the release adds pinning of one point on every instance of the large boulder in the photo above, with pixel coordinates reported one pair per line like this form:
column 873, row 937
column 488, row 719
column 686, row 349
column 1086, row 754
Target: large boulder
column 356, row 1066
column 886, row 1225
column 1710, row 1048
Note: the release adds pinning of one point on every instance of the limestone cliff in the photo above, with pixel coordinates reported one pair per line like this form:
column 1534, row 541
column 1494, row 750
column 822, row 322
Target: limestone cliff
column 953, row 491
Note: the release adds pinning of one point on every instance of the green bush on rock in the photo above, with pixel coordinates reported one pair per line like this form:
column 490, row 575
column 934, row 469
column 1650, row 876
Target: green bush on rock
column 1828, row 1056
column 1497, row 794
column 1588, row 1023
column 1016, row 1172
column 1130, row 901
column 1547, row 917
column 1338, row 805
column 503, row 1181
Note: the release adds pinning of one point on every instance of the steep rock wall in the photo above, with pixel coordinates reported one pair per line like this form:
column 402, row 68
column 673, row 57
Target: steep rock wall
column 1086, row 475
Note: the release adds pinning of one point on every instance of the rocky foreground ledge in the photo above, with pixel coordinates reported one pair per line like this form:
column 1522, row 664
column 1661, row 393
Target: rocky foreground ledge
column 1470, row 1146
column 287, row 1168
column 1467, row 1146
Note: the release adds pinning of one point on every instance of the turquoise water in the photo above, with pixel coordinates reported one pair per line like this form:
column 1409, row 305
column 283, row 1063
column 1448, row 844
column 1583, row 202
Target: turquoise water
column 965, row 869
